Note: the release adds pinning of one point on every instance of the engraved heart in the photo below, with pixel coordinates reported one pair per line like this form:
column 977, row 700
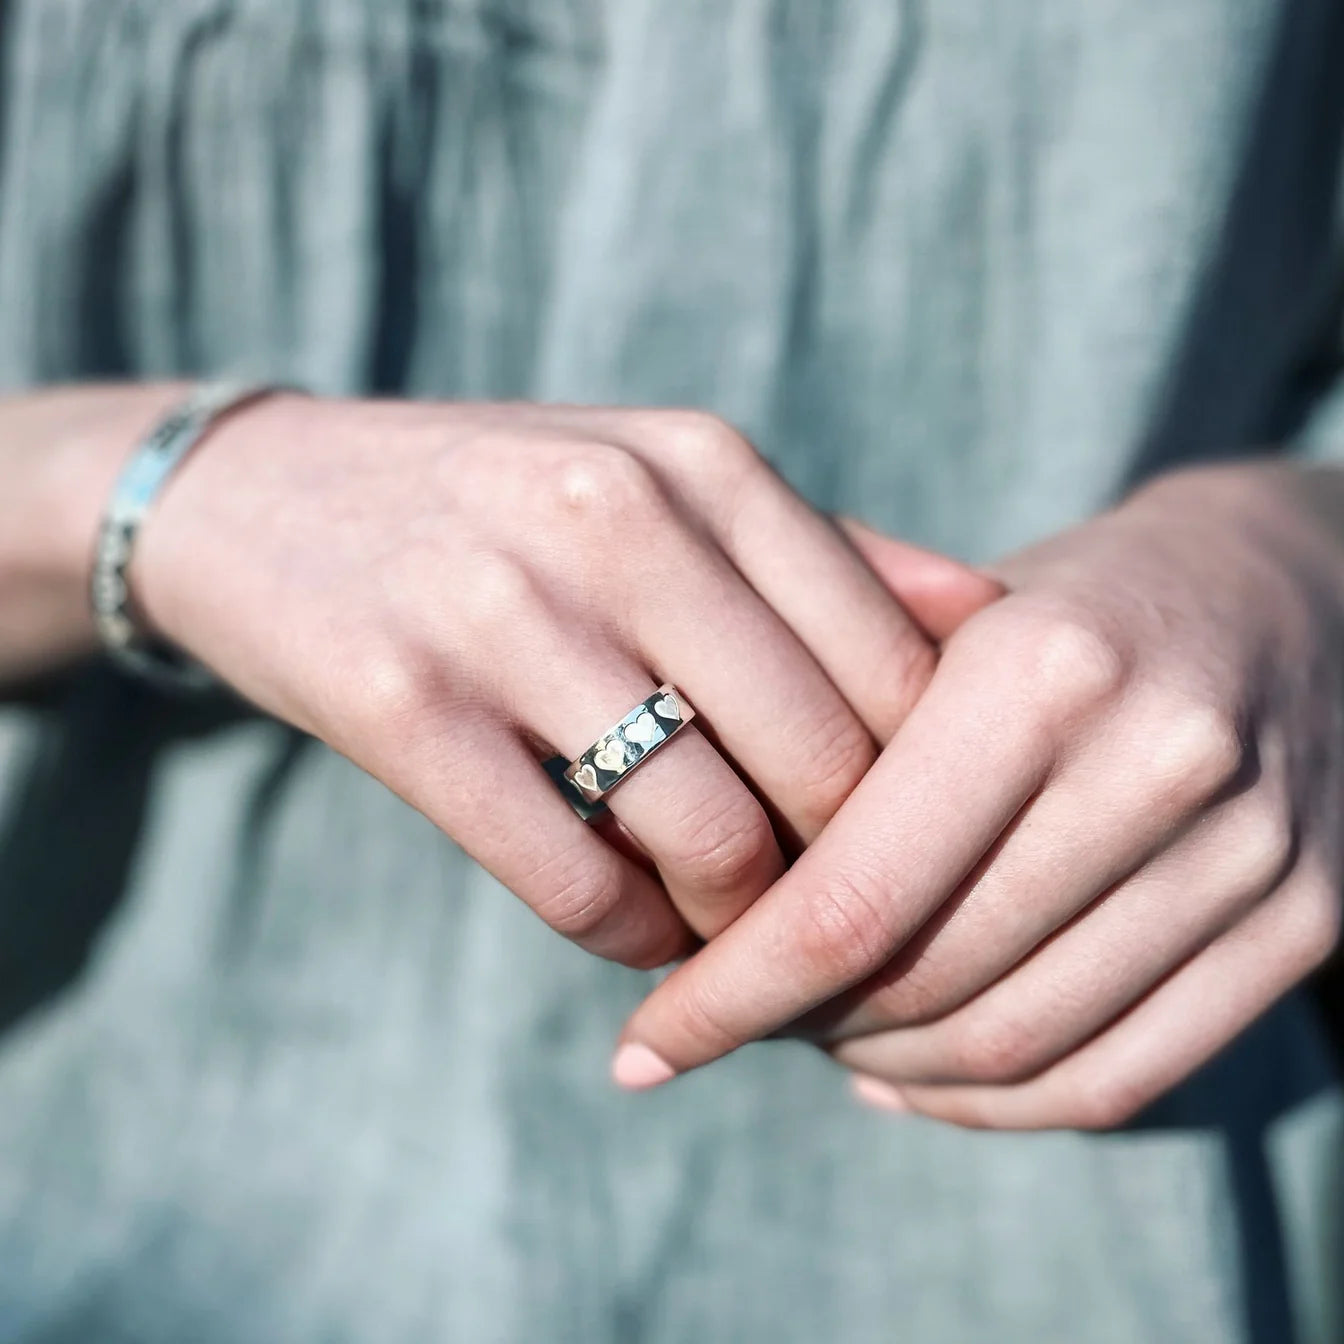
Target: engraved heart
column 586, row 778
column 610, row 756
column 643, row 730
column 667, row 708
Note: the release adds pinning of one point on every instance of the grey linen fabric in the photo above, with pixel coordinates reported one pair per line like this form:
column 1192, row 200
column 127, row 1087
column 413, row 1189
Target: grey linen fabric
column 279, row 1064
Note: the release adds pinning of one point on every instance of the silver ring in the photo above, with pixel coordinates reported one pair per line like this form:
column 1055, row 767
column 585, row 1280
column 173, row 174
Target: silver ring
column 628, row 744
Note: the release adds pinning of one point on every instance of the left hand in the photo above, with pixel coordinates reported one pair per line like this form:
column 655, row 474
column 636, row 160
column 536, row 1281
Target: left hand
column 1104, row 842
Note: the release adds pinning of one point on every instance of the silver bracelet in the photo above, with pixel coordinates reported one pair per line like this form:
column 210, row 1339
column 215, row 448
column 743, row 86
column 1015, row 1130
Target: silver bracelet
column 139, row 485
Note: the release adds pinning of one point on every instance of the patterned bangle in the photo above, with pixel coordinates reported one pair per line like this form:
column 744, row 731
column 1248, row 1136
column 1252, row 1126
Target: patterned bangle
column 138, row 486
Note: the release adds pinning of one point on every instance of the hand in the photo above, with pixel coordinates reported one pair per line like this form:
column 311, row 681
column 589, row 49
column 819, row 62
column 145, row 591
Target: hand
column 447, row 593
column 1104, row 841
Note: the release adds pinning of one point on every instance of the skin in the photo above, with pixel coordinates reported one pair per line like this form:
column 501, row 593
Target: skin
column 1105, row 840
column 1100, row 835
column 446, row 594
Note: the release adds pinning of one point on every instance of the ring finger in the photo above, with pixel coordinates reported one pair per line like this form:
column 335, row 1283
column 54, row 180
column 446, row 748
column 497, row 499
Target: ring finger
column 708, row 836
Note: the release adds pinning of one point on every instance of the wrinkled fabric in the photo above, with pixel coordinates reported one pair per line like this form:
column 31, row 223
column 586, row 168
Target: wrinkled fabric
column 278, row 1062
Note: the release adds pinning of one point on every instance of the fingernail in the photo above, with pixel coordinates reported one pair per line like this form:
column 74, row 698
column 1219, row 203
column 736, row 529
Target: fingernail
column 877, row 1094
column 636, row 1067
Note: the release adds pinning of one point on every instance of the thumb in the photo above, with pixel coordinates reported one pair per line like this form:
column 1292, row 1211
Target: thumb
column 937, row 591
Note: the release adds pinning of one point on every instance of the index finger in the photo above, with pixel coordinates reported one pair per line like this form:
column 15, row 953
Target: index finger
column 970, row 756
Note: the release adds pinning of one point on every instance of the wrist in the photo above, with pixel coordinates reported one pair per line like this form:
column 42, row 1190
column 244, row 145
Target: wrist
column 191, row 547
column 92, row 442
column 1267, row 496
column 1284, row 512
column 60, row 452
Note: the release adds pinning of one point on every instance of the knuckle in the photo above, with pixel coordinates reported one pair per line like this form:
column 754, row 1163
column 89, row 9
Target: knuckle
column 702, row 1020
column 899, row 678
column 915, row 990
column 1064, row 659
column 394, row 687
column 839, row 752
column 1314, row 929
column 596, row 483
column 727, row 845
column 575, row 894
column 704, row 441
column 845, row 931
column 499, row 596
column 1266, row 847
column 989, row 1048
column 1198, row 751
column 1104, row 1103
column 649, row 953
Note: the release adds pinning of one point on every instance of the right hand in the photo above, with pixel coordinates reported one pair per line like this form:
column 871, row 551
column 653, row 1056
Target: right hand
column 447, row 593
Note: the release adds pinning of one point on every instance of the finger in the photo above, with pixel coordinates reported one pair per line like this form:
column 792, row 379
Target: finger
column 805, row 569
column 680, row 606
column 709, row 838
column 940, row 593
column 878, row 658
column 794, row 557
column 966, row 761
column 772, row 708
column 1123, row 797
column 1102, row 963
column 1169, row 1034
column 475, row 779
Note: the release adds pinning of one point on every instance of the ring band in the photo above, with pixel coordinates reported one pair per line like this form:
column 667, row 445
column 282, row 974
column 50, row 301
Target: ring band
column 629, row 743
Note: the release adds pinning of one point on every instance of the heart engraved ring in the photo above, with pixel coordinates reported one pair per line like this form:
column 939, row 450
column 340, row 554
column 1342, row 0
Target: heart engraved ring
column 631, row 742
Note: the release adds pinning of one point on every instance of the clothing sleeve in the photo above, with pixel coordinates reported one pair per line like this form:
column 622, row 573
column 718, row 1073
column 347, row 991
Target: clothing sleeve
column 1321, row 436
